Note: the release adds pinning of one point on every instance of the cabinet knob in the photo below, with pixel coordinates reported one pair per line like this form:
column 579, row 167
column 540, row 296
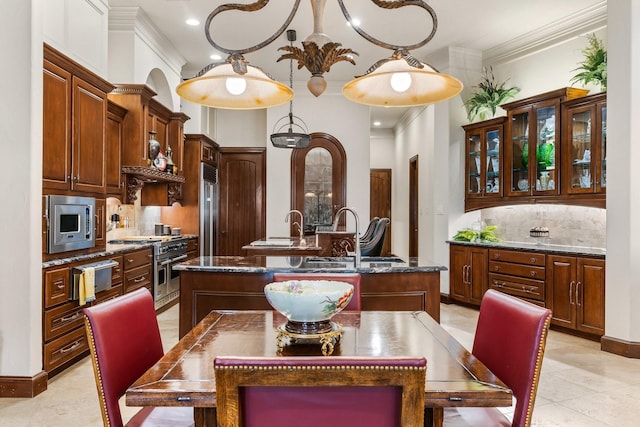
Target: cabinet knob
column 533, row 259
column 533, row 273
column 496, row 256
column 496, row 268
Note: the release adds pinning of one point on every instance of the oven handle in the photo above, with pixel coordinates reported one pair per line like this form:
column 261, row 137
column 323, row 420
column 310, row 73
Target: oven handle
column 172, row 260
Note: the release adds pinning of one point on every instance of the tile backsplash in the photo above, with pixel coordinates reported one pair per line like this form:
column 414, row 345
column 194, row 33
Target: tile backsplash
column 141, row 219
column 568, row 225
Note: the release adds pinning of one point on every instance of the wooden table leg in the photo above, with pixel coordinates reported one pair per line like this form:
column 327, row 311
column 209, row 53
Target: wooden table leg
column 204, row 417
column 433, row 417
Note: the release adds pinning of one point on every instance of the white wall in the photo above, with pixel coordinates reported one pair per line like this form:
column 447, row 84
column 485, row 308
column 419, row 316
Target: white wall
column 21, row 143
column 333, row 114
column 383, row 149
column 240, row 128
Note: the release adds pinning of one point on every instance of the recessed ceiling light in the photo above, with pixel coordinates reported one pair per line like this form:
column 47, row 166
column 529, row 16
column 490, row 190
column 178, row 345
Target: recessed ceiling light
column 193, row 22
column 216, row 57
column 355, row 22
column 377, row 123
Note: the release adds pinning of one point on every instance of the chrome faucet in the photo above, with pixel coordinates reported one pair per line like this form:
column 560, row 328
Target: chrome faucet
column 357, row 236
column 300, row 225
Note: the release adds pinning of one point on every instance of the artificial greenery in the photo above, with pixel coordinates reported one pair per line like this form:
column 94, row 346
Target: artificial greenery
column 484, row 235
column 489, row 96
column 593, row 69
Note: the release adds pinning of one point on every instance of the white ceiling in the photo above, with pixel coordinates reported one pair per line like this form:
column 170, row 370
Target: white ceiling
column 479, row 25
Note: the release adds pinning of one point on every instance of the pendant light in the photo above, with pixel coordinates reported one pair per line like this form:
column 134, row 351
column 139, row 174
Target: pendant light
column 290, row 139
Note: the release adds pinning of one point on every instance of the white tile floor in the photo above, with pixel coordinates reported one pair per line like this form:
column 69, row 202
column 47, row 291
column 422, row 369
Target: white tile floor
column 579, row 386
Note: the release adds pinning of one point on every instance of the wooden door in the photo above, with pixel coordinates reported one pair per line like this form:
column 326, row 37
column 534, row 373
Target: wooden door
column 561, row 289
column 89, row 123
column 478, row 274
column 590, row 295
column 113, row 160
column 242, row 198
column 413, row 206
column 380, row 201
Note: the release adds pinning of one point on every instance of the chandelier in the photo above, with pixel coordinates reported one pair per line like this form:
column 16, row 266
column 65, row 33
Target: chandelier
column 400, row 80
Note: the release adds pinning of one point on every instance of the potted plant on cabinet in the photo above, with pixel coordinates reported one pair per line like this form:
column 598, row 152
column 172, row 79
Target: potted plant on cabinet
column 593, row 69
column 489, row 96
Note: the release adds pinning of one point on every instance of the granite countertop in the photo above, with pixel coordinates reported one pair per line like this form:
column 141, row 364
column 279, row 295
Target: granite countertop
column 284, row 244
column 542, row 246
column 263, row 264
column 111, row 249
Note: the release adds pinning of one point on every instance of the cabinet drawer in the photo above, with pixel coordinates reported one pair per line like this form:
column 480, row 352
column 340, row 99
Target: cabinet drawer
column 116, row 272
column 109, row 294
column 136, row 259
column 527, row 271
column 64, row 349
column 530, row 258
column 516, row 286
column 137, row 278
column 62, row 319
column 56, row 286
column 192, row 245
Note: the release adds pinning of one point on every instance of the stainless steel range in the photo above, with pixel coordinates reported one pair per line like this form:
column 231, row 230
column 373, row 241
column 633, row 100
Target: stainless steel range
column 167, row 251
column 166, row 282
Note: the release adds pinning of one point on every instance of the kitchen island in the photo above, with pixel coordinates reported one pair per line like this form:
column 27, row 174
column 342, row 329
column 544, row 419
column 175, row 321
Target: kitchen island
column 237, row 283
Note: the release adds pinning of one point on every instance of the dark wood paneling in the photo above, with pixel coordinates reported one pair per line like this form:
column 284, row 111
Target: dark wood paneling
column 23, row 386
column 413, row 206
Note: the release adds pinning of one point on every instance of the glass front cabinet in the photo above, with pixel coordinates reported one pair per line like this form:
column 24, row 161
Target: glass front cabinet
column 483, row 165
column 554, row 150
column 532, row 154
column 585, row 151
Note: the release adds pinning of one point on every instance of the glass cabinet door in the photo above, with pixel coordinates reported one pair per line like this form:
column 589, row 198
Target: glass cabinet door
column 474, row 165
column 545, row 150
column 519, row 153
column 492, row 148
column 603, row 148
column 581, row 152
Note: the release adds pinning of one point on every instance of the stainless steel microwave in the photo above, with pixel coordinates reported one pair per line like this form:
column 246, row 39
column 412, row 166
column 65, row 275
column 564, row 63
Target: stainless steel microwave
column 70, row 223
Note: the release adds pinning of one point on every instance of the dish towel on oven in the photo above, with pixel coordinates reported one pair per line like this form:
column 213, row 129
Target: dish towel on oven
column 87, row 285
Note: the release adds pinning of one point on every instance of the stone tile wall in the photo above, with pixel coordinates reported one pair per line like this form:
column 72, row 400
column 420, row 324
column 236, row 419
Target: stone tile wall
column 568, row 225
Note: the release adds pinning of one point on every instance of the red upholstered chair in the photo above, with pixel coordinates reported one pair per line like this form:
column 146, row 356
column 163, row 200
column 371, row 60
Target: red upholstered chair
column 352, row 278
column 125, row 342
column 510, row 340
column 320, row 391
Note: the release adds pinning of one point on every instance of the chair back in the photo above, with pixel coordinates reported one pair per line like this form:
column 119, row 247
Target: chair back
column 352, row 278
column 369, row 231
column 510, row 340
column 320, row 391
column 373, row 247
column 124, row 339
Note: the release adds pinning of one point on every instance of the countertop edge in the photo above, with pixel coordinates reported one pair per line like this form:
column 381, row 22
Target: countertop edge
column 538, row 247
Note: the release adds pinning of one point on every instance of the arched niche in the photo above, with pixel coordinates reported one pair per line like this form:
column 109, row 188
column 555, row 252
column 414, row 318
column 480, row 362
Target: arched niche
column 157, row 81
column 318, row 180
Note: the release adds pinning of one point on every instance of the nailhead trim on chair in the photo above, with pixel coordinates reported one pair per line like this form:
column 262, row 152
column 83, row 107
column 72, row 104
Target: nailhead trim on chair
column 536, row 377
column 97, row 374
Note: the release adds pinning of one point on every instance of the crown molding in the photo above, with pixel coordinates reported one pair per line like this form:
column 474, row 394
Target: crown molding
column 134, row 19
column 587, row 20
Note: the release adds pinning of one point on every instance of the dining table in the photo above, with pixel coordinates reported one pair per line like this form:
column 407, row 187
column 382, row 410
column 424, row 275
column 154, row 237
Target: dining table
column 184, row 376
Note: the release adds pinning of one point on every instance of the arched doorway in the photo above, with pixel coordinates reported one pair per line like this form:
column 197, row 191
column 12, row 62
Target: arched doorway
column 318, row 180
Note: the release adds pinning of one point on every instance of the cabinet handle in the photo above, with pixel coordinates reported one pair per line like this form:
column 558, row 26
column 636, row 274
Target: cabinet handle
column 496, row 256
column 465, row 275
column 140, row 279
column 60, row 286
column 571, row 292
column 150, row 256
column 469, row 275
column 496, row 268
column 578, row 293
column 69, row 318
column 533, row 273
column 130, row 260
column 70, row 348
column 533, row 260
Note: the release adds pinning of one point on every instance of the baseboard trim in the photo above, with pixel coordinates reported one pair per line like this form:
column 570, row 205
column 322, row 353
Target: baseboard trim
column 620, row 347
column 23, row 386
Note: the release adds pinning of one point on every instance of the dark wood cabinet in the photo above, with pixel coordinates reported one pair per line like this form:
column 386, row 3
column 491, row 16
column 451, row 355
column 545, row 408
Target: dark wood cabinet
column 468, row 276
column 146, row 117
column 585, row 153
column 100, row 227
column 137, row 270
column 576, row 293
column 483, row 165
column 74, row 122
column 554, row 151
column 63, row 336
column 518, row 273
column 113, row 149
